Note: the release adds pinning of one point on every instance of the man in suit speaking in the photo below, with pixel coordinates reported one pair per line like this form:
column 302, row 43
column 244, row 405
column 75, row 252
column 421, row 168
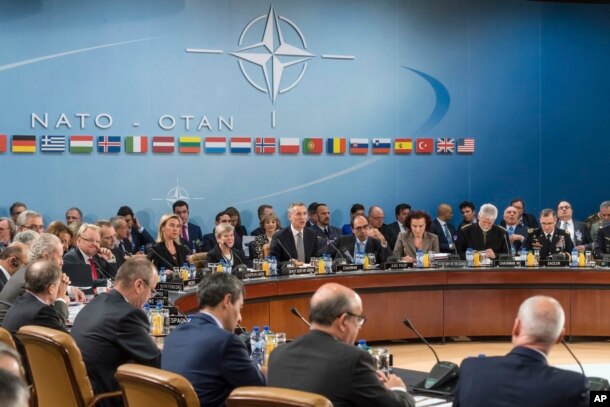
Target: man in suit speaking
column 523, row 377
column 295, row 242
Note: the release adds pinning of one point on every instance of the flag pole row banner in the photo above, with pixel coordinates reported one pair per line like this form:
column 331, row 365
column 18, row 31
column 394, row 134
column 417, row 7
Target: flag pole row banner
column 87, row 144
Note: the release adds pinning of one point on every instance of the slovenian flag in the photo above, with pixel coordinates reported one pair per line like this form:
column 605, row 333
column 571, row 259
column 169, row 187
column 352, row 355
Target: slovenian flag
column 359, row 146
column 136, row 144
column 381, row 145
column 241, row 145
column 335, row 145
column 215, row 145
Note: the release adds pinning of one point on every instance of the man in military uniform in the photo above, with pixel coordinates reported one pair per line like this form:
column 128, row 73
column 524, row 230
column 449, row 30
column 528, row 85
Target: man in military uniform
column 602, row 244
column 483, row 236
column 595, row 222
column 548, row 238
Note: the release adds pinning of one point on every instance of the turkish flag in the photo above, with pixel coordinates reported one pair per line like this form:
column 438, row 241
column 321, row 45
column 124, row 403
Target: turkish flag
column 424, row 146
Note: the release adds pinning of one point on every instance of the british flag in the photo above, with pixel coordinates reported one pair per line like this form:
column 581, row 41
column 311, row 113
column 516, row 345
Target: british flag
column 264, row 145
column 445, row 145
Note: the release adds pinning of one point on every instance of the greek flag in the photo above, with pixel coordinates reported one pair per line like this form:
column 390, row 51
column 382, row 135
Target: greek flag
column 53, row 144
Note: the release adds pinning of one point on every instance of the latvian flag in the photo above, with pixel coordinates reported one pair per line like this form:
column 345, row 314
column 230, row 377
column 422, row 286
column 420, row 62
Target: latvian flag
column 136, row 144
column 289, row 145
column 189, row 145
column 465, row 145
column 108, row 144
column 81, row 144
column 2, row 143
column 381, row 145
column 264, row 145
column 335, row 145
column 24, row 144
column 241, row 145
column 163, row 144
column 445, row 145
column 359, row 146
column 215, row 145
column 52, row 144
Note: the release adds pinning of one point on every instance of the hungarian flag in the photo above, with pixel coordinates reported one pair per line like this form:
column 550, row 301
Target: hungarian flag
column 108, row 144
column 264, row 145
column 240, row 145
column 381, row 145
column 2, row 143
column 313, row 145
column 189, row 145
column 359, row 146
column 163, row 144
column 403, row 146
column 136, row 144
column 81, row 144
column 424, row 145
column 335, row 145
column 215, row 145
column 289, row 145
column 24, row 144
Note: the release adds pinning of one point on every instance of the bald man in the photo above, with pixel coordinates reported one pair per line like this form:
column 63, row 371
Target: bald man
column 445, row 231
column 325, row 361
column 523, row 377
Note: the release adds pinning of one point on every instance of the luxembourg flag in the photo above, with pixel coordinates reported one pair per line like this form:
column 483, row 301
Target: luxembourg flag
column 215, row 145
column 359, row 146
column 289, row 145
column 241, row 145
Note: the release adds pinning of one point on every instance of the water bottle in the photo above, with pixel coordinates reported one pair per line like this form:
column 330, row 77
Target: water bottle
column 143, row 249
column 328, row 263
column 574, row 258
column 192, row 271
column 273, row 266
column 147, row 311
column 362, row 345
column 162, row 276
column 257, row 346
column 469, row 257
column 523, row 253
column 157, row 320
column 419, row 259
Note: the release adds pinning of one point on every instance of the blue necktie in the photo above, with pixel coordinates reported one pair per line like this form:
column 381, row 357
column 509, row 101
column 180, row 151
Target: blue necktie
column 447, row 234
column 511, row 230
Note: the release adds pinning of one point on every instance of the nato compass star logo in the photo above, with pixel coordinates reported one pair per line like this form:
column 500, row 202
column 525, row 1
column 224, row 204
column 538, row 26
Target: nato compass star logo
column 177, row 193
column 273, row 56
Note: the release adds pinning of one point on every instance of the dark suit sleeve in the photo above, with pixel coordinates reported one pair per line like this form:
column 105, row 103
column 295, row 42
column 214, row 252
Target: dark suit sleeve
column 237, row 368
column 146, row 237
column 213, row 256
column 460, row 244
column 134, row 339
column 207, row 244
column 50, row 318
column 367, row 390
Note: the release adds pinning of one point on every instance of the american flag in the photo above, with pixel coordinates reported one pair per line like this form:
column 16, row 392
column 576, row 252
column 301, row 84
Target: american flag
column 52, row 144
column 445, row 145
column 465, row 145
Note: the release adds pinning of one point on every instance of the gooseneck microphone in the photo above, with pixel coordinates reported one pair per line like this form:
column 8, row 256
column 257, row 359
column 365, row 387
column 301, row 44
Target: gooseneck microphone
column 296, row 312
column 441, row 373
column 331, row 244
column 102, row 270
column 171, row 266
column 595, row 383
column 234, row 252
column 285, row 251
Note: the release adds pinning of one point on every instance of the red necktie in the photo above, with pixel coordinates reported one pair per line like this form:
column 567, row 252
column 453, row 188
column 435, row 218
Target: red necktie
column 185, row 233
column 93, row 269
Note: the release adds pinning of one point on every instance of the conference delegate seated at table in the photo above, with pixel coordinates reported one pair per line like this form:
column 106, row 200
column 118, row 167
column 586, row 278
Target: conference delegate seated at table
column 225, row 249
column 483, row 236
column 416, row 238
column 602, row 243
column 549, row 239
column 269, row 224
column 360, row 242
column 295, row 242
column 167, row 252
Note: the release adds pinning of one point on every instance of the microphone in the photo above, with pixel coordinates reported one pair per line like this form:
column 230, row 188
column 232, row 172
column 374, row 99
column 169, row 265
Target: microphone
column 171, row 266
column 102, row 270
column 296, row 312
column 441, row 373
column 241, row 268
column 595, row 383
column 285, row 251
column 331, row 244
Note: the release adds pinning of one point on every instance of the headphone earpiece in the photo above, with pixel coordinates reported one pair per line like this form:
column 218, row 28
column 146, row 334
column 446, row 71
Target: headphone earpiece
column 15, row 263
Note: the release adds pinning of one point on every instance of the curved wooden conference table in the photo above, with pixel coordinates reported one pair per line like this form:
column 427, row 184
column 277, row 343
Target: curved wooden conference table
column 440, row 303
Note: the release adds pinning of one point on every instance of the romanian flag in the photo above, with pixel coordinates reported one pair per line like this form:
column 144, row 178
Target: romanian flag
column 2, row 143
column 189, row 145
column 136, row 144
column 381, row 145
column 358, row 146
column 163, row 144
column 403, row 146
column 335, row 145
column 81, row 144
column 313, row 145
column 24, row 144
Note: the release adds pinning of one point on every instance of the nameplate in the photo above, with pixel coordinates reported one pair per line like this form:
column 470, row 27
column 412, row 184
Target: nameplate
column 602, row 263
column 154, row 300
column 554, row 263
column 451, row 263
column 189, row 283
column 170, row 286
column 343, row 268
column 398, row 265
column 177, row 320
column 507, row 263
column 253, row 274
column 300, row 271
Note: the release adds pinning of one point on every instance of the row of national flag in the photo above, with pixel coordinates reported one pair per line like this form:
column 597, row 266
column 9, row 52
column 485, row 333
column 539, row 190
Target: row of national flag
column 235, row 145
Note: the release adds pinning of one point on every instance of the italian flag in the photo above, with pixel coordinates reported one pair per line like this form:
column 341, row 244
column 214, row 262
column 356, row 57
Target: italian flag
column 136, row 144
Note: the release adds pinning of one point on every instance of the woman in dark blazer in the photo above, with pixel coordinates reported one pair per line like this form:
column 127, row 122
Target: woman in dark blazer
column 224, row 248
column 416, row 238
column 167, row 252
column 269, row 225
column 240, row 230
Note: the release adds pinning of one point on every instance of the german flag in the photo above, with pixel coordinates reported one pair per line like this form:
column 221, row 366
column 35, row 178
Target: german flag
column 189, row 145
column 24, row 144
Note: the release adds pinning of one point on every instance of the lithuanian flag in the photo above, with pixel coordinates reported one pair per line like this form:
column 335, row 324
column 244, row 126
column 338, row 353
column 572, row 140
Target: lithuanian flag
column 189, row 145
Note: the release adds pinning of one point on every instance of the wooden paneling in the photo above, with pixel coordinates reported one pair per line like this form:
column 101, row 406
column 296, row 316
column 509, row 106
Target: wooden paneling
column 590, row 312
column 255, row 313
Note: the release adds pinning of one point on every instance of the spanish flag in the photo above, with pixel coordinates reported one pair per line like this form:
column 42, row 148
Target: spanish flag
column 335, row 145
column 24, row 144
column 403, row 146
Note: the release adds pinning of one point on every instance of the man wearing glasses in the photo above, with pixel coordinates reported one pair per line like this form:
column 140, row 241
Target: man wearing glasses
column 361, row 242
column 30, row 220
column 325, row 360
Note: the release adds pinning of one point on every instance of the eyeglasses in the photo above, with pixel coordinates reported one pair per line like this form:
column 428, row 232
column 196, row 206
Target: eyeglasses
column 35, row 228
column 153, row 292
column 91, row 241
column 564, row 207
column 361, row 318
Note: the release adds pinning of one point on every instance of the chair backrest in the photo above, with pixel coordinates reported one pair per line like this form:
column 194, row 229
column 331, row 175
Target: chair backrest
column 58, row 372
column 198, row 259
column 187, row 303
column 7, row 339
column 275, row 397
column 149, row 386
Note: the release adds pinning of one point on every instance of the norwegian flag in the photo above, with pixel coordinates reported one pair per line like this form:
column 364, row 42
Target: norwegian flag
column 264, row 145
column 445, row 145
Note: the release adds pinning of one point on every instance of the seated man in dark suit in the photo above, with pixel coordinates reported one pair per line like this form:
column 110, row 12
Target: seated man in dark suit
column 469, row 215
column 548, row 239
column 325, row 232
column 190, row 234
column 526, row 219
column 43, row 283
column 443, row 229
column 122, row 248
column 401, row 211
column 295, row 242
column 517, row 233
column 12, row 258
column 139, row 236
column 360, row 242
column 578, row 230
column 113, row 329
column 380, row 230
column 217, row 361
column 483, row 235
column 325, row 361
column 524, row 377
column 602, row 243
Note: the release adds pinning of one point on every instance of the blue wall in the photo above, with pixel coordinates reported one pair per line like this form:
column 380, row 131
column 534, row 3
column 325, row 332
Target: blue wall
column 527, row 80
